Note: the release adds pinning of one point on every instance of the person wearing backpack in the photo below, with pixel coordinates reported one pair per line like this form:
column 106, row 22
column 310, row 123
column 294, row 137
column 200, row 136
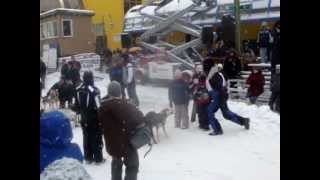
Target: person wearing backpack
column 87, row 104
column 119, row 120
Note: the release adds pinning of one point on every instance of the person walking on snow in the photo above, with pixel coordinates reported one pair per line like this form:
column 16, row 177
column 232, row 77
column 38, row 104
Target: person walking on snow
column 87, row 104
column 119, row 119
column 264, row 41
column 217, row 87
column 179, row 96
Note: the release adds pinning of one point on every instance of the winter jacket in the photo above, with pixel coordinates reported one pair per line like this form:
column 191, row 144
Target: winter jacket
column 65, row 72
column 87, row 104
column 179, row 92
column 264, row 38
column 232, row 67
column 218, row 83
column 256, row 82
column 116, row 74
column 119, row 119
column 55, row 139
column 65, row 89
column 201, row 95
column 74, row 75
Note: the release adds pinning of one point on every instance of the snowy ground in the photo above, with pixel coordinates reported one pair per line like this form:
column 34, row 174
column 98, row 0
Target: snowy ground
column 194, row 155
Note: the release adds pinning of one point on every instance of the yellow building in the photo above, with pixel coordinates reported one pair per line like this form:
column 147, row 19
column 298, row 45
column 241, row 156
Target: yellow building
column 109, row 17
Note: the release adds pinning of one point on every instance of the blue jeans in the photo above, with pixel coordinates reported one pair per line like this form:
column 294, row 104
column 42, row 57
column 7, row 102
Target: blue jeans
column 214, row 106
column 264, row 54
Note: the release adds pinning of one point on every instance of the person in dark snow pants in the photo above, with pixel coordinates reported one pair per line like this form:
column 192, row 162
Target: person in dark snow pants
column 55, row 139
column 87, row 104
column 217, row 87
column 202, row 100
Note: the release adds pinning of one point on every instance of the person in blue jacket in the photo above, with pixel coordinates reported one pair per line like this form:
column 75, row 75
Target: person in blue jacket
column 55, row 139
column 217, row 87
column 179, row 97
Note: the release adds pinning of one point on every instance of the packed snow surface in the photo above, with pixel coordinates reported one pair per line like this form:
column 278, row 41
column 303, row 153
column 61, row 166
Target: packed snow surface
column 194, row 155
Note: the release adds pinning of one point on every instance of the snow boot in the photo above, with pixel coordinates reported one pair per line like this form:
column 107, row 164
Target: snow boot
column 246, row 122
column 216, row 133
column 100, row 162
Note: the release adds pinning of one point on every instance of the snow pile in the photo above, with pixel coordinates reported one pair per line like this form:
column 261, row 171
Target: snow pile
column 194, row 155
column 65, row 169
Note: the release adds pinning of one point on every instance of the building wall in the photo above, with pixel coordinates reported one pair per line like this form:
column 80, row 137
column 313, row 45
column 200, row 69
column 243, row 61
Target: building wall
column 111, row 13
column 82, row 41
column 46, row 5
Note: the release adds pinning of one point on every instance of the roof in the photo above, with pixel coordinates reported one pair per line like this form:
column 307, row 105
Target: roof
column 64, row 11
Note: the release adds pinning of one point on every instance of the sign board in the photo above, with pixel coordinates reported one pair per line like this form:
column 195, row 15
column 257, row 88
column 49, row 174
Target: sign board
column 88, row 61
column 117, row 38
column 50, row 56
column 162, row 71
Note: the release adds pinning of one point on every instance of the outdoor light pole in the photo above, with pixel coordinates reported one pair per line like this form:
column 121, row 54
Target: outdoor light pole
column 237, row 19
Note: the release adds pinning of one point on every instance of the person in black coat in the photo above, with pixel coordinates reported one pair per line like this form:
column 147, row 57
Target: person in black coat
column 66, row 91
column 43, row 72
column 87, row 104
column 217, row 88
column 65, row 70
column 275, row 58
column 274, row 102
column 232, row 66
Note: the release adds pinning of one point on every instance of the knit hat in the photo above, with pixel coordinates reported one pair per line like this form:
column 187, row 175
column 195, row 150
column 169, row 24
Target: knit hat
column 114, row 89
column 65, row 168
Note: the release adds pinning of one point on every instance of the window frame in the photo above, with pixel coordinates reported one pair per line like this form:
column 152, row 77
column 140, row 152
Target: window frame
column 46, row 27
column 71, row 28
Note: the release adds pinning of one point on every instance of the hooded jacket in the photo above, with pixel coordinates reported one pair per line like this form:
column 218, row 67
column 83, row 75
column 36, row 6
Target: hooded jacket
column 256, row 82
column 119, row 119
column 55, row 139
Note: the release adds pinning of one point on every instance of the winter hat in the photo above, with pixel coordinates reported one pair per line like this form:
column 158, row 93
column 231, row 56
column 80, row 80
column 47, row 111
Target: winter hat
column 65, row 168
column 114, row 89
column 88, row 78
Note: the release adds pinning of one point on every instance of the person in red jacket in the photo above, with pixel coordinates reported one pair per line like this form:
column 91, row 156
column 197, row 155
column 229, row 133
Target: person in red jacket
column 256, row 83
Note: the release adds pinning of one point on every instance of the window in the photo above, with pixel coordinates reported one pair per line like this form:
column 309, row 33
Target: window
column 99, row 29
column 49, row 30
column 42, row 35
column 67, row 28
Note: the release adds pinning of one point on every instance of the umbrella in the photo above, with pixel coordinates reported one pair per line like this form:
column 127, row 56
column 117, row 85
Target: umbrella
column 135, row 49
